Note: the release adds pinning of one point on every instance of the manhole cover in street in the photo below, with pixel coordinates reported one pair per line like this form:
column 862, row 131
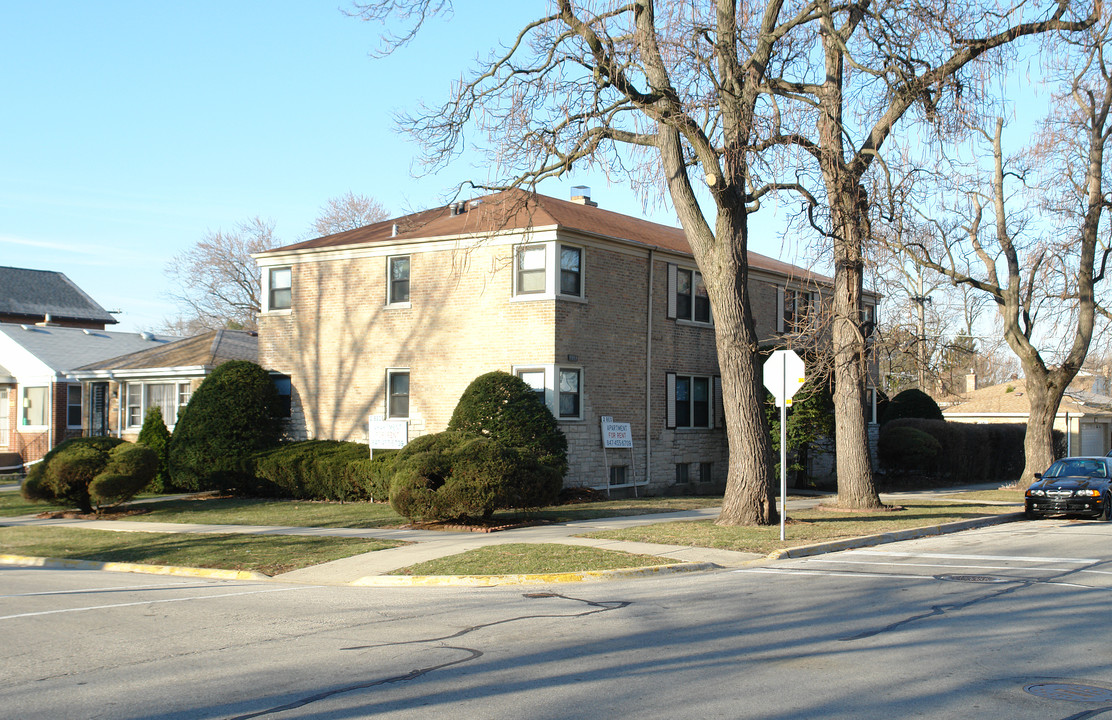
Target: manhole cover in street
column 972, row 578
column 1070, row 691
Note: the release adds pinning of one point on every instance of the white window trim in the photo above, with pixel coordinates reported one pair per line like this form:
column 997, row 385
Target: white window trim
column 558, row 270
column 23, row 404
column 144, row 402
column 267, row 310
column 582, row 398
column 546, row 371
column 81, row 405
column 390, row 284
column 551, row 273
column 390, row 372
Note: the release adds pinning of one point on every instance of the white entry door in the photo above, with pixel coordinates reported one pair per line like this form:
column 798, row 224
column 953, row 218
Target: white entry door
column 1092, row 439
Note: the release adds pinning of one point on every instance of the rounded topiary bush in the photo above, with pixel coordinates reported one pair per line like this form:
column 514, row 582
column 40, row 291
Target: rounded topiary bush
column 504, row 408
column 130, row 468
column 155, row 436
column 907, row 449
column 911, row 403
column 232, row 415
column 82, row 472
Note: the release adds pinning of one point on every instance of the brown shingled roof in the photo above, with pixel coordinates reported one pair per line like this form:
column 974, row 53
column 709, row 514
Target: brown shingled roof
column 515, row 210
column 208, row 349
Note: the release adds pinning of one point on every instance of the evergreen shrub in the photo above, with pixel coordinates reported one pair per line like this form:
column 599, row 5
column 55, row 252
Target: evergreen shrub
column 908, row 449
column 911, row 403
column 313, row 470
column 91, row 473
column 234, row 414
column 970, row 452
column 156, row 436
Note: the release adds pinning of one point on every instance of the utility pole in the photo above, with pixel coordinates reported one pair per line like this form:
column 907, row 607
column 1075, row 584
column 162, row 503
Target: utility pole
column 921, row 341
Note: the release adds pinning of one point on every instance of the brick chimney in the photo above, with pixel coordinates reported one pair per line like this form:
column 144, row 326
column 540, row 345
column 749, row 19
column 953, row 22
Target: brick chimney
column 582, row 194
column 970, row 381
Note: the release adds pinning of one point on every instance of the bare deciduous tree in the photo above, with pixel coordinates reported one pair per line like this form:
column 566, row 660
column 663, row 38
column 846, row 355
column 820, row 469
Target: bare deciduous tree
column 1048, row 269
column 347, row 212
column 720, row 94
column 217, row 281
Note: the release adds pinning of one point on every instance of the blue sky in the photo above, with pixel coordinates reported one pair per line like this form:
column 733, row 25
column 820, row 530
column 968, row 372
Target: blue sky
column 130, row 129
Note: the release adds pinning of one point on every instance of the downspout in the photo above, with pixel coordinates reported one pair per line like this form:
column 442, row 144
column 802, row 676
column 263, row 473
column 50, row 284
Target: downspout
column 649, row 376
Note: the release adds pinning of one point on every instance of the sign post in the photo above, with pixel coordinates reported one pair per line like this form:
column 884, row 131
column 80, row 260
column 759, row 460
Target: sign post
column 783, row 376
column 617, row 435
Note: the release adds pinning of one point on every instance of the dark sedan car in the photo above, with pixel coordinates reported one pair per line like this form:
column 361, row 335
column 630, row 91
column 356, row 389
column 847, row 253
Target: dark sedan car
column 1074, row 486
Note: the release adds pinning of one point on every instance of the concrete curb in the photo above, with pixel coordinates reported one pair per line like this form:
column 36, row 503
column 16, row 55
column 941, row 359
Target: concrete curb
column 895, row 536
column 533, row 579
column 25, row 561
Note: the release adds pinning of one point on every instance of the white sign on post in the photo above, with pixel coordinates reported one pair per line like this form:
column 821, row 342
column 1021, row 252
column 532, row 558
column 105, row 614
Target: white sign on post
column 783, row 376
column 616, row 435
column 387, row 434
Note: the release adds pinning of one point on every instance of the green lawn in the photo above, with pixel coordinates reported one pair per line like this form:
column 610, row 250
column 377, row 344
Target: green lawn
column 269, row 554
column 803, row 527
column 12, row 504
column 1009, row 495
column 532, row 558
column 302, row 513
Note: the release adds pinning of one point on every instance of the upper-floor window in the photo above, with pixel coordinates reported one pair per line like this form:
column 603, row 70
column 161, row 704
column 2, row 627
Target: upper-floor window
column 280, row 289
column 687, row 295
column 399, row 280
column 34, row 406
column 73, row 406
column 796, row 309
column 530, row 269
column 397, row 394
column 571, row 275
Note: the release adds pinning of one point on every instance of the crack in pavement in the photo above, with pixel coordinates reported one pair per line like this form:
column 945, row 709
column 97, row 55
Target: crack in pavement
column 472, row 653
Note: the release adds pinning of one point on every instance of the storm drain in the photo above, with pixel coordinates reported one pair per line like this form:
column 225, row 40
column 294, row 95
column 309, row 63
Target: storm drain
column 971, row 578
column 1070, row 691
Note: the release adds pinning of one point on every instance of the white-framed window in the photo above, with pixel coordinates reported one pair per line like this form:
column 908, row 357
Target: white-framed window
column 397, row 394
column 795, row 309
column 73, row 406
column 571, row 270
column 35, row 406
column 169, row 397
column 5, row 418
column 692, row 401
column 398, row 280
column 687, row 296
column 530, row 263
column 570, row 393
column 280, row 288
column 534, row 377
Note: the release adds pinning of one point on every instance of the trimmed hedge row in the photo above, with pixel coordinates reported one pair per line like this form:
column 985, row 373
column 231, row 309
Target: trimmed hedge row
column 987, row 452
column 316, row 470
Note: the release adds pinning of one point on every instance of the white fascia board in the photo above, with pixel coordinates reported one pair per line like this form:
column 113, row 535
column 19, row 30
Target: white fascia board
column 408, row 246
column 184, row 372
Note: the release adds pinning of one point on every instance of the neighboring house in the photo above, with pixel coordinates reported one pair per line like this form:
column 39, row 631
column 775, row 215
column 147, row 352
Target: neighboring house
column 603, row 314
column 32, row 296
column 1085, row 413
column 41, row 405
column 165, row 375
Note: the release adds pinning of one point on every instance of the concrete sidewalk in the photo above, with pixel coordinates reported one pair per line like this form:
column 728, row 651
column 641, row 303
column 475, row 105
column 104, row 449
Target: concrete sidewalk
column 371, row 568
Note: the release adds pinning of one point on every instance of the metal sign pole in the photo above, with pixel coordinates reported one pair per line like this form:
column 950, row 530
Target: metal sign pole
column 784, row 450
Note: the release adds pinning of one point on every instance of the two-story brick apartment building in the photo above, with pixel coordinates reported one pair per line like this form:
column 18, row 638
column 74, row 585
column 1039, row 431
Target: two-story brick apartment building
column 605, row 315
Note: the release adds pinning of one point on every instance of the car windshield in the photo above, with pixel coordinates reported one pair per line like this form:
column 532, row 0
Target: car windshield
column 1074, row 467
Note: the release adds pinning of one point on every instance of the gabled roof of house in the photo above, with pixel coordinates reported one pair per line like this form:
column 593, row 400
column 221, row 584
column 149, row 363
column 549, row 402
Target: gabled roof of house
column 34, row 294
column 64, row 348
column 205, row 350
column 516, row 210
column 1087, row 394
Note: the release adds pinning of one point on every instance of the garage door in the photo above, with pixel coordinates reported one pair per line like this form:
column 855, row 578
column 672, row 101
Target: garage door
column 1092, row 439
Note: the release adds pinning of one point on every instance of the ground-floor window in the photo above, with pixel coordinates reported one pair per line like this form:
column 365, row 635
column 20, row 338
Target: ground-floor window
column 34, row 406
column 690, row 401
column 397, row 394
column 169, row 397
column 73, row 406
column 619, row 474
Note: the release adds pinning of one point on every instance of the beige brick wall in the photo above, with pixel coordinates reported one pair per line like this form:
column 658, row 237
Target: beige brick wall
column 462, row 321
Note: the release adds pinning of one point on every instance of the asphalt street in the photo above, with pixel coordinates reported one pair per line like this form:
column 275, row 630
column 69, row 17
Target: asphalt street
column 1005, row 621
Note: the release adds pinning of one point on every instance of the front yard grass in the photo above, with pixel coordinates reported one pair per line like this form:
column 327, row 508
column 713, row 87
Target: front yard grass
column 803, row 527
column 268, row 554
column 305, row 513
column 12, row 504
column 531, row 558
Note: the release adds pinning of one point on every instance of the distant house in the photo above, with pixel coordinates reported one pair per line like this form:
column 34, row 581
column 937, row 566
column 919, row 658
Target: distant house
column 604, row 315
column 1085, row 414
column 41, row 404
column 32, row 296
column 165, row 376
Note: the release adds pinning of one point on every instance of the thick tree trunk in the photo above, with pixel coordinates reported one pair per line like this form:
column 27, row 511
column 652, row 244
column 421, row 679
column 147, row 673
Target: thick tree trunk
column 748, row 499
column 1038, row 443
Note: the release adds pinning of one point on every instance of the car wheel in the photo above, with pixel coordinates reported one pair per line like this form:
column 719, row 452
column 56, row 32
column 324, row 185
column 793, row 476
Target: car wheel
column 1106, row 513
